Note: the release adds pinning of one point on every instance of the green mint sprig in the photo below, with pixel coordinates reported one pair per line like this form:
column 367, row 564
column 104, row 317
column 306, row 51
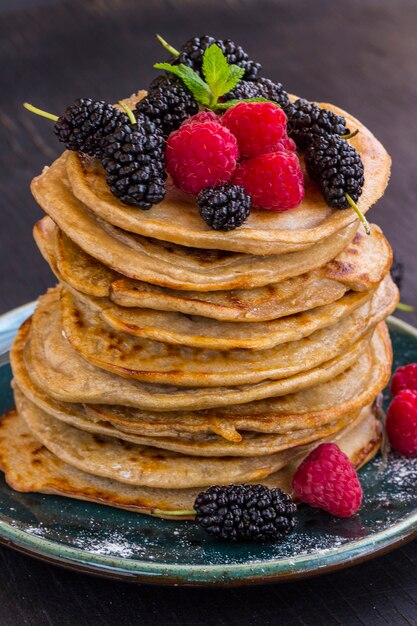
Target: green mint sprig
column 200, row 90
column 220, row 78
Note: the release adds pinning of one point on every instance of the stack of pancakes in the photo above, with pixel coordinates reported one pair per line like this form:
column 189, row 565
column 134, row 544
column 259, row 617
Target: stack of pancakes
column 172, row 357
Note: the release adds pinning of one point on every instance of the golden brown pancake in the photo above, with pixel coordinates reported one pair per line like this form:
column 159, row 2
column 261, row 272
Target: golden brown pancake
column 360, row 266
column 57, row 369
column 30, row 466
column 161, row 363
column 310, row 408
column 250, row 444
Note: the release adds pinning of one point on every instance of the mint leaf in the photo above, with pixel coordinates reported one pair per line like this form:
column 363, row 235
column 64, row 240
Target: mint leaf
column 215, row 67
column 220, row 76
column 223, row 106
column 191, row 79
column 235, row 74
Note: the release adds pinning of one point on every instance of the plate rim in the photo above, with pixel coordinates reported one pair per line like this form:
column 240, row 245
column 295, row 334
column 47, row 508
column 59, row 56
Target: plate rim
column 256, row 572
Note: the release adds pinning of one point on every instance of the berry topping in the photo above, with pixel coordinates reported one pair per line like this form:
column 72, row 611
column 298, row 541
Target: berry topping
column 257, row 126
column 225, row 207
column 191, row 54
column 201, row 155
column 327, row 480
column 260, row 88
column 337, row 168
column 245, row 512
column 405, row 377
column 397, row 271
column 274, row 180
column 306, row 119
column 168, row 103
column 86, row 123
column 134, row 163
column 203, row 116
column 401, row 423
column 286, row 144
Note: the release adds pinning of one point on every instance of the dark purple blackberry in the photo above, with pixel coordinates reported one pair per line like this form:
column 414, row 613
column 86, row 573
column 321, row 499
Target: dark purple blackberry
column 307, row 119
column 337, row 168
column 245, row 512
column 397, row 271
column 191, row 54
column 168, row 103
column 260, row 88
column 134, row 163
column 86, row 123
column 224, row 207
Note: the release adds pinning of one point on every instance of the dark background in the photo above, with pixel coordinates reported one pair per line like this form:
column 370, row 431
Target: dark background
column 358, row 54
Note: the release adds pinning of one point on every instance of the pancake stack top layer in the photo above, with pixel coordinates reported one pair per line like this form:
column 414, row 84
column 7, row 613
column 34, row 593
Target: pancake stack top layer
column 171, row 357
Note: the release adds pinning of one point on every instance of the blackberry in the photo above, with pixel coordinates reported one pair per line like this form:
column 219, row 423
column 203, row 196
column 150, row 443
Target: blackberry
column 260, row 88
column 134, row 163
column 224, row 207
column 86, row 123
column 245, row 512
column 191, row 54
column 337, row 168
column 397, row 271
column 168, row 103
column 307, row 119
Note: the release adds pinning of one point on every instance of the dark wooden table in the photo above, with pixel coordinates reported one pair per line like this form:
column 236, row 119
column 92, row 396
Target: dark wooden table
column 360, row 54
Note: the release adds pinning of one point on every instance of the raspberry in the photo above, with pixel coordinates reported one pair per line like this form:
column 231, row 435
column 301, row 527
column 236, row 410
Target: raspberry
column 201, row 155
column 202, row 116
column 257, row 126
column 405, row 377
column 286, row 144
column 401, row 423
column 327, row 480
column 274, row 180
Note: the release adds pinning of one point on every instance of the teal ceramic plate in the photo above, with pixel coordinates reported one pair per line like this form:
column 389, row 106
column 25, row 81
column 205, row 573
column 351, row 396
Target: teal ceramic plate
column 118, row 544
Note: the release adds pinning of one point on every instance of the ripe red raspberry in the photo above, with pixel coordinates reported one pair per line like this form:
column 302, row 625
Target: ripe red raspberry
column 201, row 155
column 202, row 116
column 286, row 144
column 327, row 480
column 274, row 180
column 405, row 377
column 257, row 126
column 401, row 423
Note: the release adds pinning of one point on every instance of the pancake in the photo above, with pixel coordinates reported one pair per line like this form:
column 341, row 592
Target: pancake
column 57, row 369
column 141, row 465
column 167, row 264
column 360, row 266
column 80, row 270
column 307, row 409
column 161, row 363
column 250, row 444
column 31, row 467
column 200, row 332
column 176, row 218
